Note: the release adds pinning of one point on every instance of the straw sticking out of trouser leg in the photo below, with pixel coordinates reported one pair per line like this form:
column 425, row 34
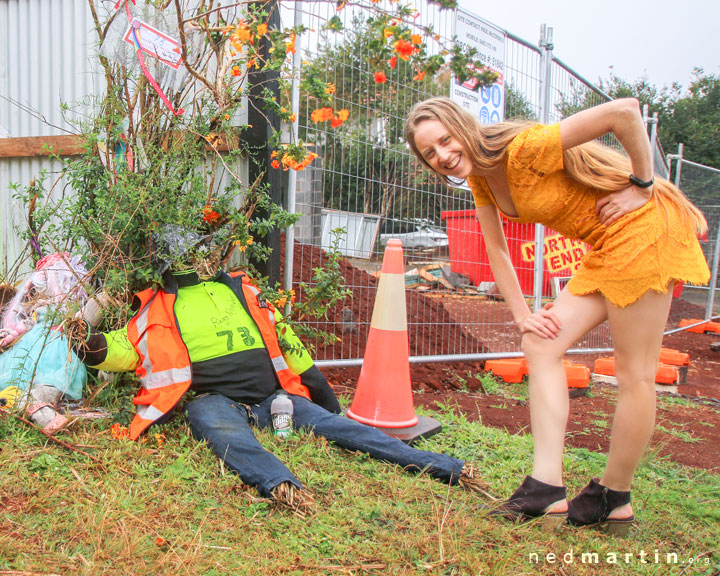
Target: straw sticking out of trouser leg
column 76, row 331
column 468, row 481
column 296, row 499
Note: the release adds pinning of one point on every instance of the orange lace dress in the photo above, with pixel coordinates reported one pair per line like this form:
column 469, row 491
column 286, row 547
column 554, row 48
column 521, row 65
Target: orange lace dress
column 644, row 250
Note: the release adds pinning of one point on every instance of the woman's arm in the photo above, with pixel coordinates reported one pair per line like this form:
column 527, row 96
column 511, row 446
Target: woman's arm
column 544, row 322
column 622, row 118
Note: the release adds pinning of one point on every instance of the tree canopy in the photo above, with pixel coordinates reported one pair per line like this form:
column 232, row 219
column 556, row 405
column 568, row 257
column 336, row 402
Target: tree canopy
column 691, row 116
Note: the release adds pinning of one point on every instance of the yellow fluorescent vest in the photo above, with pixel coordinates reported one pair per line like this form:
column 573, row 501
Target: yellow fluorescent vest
column 164, row 369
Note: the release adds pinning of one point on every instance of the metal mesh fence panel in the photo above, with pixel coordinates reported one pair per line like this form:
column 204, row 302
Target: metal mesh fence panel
column 368, row 183
column 701, row 184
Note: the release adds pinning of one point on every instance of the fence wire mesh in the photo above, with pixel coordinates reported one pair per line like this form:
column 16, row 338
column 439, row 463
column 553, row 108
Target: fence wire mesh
column 701, row 184
column 370, row 184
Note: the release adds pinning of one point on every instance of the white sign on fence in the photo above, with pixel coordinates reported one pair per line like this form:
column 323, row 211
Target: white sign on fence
column 488, row 102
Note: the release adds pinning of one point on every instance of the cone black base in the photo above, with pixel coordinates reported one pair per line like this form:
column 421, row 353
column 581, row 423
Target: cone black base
column 425, row 428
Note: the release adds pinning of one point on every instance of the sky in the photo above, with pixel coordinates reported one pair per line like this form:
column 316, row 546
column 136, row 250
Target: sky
column 662, row 40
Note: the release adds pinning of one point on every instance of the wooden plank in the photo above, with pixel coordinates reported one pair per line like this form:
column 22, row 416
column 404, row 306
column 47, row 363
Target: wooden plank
column 72, row 145
column 41, row 146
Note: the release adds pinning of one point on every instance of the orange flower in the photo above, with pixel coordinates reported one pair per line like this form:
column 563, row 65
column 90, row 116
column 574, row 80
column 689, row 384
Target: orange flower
column 344, row 114
column 416, row 39
column 262, row 29
column 330, row 88
column 227, row 116
column 119, row 431
column 336, row 122
column 393, row 62
column 209, row 215
column 235, row 71
column 160, row 541
column 250, row 63
column 292, row 117
column 275, row 164
column 160, row 438
column 321, row 114
column 380, row 77
column 290, row 45
column 242, row 35
column 242, row 246
column 387, row 33
column 404, row 49
column 420, row 75
column 273, row 154
column 289, row 162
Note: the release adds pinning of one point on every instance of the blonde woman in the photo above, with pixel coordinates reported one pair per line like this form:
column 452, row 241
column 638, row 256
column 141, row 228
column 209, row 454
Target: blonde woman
column 643, row 233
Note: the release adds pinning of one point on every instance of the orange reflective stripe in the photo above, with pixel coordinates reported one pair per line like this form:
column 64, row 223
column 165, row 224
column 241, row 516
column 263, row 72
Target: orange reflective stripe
column 264, row 317
column 165, row 370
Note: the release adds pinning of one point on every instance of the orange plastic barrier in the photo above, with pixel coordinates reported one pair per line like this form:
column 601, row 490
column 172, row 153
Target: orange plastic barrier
column 674, row 357
column 578, row 375
column 605, row 366
column 665, row 374
column 511, row 370
column 708, row 326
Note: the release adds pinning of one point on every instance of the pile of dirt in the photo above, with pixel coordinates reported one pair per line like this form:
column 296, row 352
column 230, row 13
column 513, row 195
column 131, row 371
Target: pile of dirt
column 428, row 319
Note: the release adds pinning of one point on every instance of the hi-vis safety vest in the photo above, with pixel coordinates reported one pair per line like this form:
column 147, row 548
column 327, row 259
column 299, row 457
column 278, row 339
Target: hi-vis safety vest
column 164, row 369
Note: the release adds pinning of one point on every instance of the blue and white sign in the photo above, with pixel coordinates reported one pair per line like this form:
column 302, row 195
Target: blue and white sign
column 487, row 102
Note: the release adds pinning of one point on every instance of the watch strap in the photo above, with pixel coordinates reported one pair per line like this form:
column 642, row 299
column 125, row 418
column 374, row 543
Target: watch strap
column 635, row 181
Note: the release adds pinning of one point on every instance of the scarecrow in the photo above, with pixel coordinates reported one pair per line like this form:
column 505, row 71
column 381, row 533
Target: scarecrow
column 213, row 334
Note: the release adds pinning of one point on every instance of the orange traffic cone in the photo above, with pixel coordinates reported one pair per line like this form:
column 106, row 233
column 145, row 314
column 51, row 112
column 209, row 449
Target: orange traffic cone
column 383, row 397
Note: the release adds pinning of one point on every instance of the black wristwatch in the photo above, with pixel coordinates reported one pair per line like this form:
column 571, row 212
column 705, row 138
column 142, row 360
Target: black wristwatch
column 635, row 181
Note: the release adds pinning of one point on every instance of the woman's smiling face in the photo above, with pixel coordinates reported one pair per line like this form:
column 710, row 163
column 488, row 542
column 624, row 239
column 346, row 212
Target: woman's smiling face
column 441, row 150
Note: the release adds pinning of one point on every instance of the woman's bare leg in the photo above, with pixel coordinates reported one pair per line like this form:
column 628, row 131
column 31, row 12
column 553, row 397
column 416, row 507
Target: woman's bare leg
column 637, row 334
column 548, row 384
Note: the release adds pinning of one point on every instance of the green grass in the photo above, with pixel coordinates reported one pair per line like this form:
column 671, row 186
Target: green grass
column 496, row 386
column 679, row 433
column 172, row 509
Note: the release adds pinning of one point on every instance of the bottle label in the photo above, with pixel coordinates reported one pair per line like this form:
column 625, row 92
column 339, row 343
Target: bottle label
column 282, row 423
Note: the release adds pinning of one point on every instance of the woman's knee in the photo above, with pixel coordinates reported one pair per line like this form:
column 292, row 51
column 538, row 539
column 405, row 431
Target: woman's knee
column 638, row 377
column 538, row 349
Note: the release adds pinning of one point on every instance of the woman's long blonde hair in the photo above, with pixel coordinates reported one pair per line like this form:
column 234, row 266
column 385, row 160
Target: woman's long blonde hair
column 592, row 164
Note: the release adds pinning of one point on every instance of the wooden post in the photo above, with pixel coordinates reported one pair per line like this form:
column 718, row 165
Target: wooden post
column 263, row 124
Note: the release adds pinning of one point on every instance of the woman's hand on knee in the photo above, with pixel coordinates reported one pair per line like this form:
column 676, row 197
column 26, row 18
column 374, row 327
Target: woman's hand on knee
column 544, row 323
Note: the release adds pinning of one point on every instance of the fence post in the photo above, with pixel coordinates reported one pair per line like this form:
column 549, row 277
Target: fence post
column 546, row 48
column 652, row 124
column 292, row 174
column 258, row 137
column 679, row 164
column 713, row 277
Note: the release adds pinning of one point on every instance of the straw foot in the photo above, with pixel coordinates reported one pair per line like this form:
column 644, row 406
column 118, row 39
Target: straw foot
column 472, row 483
column 287, row 495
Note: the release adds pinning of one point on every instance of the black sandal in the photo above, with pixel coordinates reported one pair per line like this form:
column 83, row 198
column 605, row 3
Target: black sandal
column 592, row 508
column 531, row 500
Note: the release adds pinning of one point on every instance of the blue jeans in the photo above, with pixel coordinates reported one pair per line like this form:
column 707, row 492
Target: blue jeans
column 225, row 426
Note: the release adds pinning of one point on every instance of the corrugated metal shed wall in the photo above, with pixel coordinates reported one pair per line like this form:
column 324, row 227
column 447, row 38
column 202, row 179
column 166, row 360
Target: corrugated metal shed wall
column 46, row 49
column 47, row 58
